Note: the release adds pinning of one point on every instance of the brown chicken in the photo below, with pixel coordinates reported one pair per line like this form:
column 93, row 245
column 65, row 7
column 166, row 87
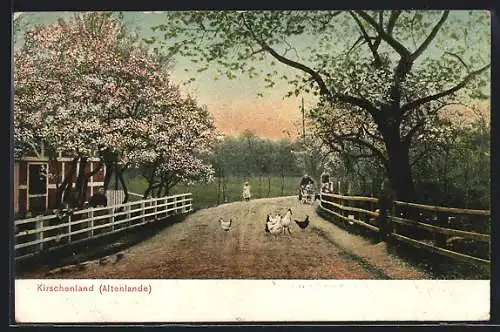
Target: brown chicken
column 303, row 224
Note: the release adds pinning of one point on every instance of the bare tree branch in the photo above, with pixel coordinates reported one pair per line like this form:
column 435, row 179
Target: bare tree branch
column 411, row 30
column 378, row 40
column 456, row 56
column 431, row 36
column 409, row 135
column 355, row 44
column 397, row 46
column 260, row 50
column 376, row 56
column 290, row 48
column 325, row 91
column 357, row 140
column 416, row 103
column 392, row 21
column 381, row 18
column 373, row 136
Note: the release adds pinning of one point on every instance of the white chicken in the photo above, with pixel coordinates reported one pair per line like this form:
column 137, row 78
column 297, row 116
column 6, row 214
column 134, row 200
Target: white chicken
column 273, row 225
column 286, row 221
column 225, row 225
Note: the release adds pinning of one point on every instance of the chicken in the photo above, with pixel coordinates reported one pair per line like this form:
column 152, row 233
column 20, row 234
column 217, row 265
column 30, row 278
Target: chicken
column 303, row 224
column 286, row 221
column 225, row 225
column 273, row 225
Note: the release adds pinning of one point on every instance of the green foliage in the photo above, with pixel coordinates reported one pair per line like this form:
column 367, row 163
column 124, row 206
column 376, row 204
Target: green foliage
column 249, row 155
column 381, row 76
column 205, row 195
column 457, row 172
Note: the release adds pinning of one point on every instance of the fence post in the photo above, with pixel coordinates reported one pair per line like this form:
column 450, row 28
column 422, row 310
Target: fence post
column 112, row 219
column 345, row 203
column 156, row 210
column 188, row 203
column 69, row 227
column 127, row 208
column 39, row 235
column 387, row 206
column 92, row 223
column 440, row 239
column 167, row 212
column 393, row 214
column 142, row 210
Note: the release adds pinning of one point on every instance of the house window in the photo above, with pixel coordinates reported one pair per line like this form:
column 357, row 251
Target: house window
column 37, row 186
column 37, row 179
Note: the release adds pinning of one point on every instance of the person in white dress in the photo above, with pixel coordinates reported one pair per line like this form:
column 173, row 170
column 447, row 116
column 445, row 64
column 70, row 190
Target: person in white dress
column 246, row 191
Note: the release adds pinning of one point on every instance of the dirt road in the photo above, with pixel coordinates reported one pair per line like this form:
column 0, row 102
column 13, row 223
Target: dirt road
column 198, row 248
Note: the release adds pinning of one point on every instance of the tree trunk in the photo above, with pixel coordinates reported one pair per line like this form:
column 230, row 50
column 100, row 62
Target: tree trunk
column 122, row 181
column 168, row 186
column 224, row 194
column 67, row 183
column 117, row 176
column 466, row 186
column 109, row 173
column 218, row 188
column 282, row 181
column 150, row 178
column 399, row 171
column 260, row 185
column 160, row 188
column 80, row 194
column 445, row 177
column 268, row 185
column 151, row 187
column 88, row 175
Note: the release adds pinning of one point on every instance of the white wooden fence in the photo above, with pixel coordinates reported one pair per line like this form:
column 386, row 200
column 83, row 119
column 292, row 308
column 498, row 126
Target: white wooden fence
column 49, row 232
column 115, row 197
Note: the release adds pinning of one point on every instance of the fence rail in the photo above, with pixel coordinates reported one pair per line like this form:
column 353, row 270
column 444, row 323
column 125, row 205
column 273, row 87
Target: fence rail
column 43, row 233
column 437, row 238
column 445, row 209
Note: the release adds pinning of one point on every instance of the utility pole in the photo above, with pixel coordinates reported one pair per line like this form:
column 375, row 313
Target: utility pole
column 304, row 135
column 303, row 123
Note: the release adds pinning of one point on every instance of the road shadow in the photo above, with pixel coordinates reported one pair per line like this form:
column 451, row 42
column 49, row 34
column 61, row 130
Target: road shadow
column 93, row 248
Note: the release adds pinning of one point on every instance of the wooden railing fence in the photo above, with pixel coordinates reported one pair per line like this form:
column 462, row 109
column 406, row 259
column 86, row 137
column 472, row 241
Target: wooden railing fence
column 43, row 233
column 461, row 234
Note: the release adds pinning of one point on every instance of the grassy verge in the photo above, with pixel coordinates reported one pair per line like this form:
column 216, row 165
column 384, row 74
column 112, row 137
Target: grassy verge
column 437, row 266
column 205, row 195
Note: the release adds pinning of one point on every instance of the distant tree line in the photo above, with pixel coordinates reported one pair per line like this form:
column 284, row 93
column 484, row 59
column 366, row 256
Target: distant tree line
column 248, row 156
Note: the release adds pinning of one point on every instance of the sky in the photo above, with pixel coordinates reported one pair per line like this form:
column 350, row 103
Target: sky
column 236, row 107
column 235, row 104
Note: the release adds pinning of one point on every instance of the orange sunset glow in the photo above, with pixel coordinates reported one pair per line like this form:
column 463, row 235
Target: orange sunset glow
column 270, row 118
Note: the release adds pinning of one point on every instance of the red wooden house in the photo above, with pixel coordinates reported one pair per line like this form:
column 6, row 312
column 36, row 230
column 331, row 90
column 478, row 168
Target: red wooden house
column 36, row 179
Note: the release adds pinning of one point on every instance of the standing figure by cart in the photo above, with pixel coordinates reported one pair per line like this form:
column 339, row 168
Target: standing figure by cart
column 306, row 179
column 306, row 191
